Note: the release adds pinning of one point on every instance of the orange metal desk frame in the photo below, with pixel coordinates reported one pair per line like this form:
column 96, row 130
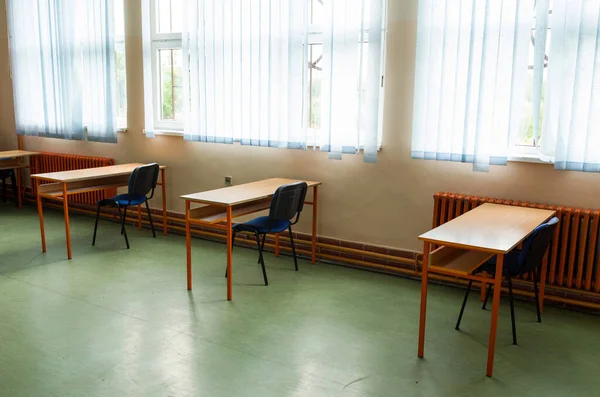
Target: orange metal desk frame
column 15, row 159
column 470, row 240
column 222, row 205
column 67, row 183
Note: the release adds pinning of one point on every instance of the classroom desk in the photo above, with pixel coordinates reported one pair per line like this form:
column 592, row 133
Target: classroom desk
column 467, row 242
column 222, row 205
column 66, row 183
column 15, row 159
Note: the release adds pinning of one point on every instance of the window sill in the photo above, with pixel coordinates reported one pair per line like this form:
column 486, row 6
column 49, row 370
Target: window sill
column 173, row 133
column 179, row 134
column 527, row 158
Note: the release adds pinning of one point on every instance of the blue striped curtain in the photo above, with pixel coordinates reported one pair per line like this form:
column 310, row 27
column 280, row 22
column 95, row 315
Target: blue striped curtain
column 471, row 71
column 353, row 48
column 570, row 132
column 246, row 62
column 63, row 69
column 248, row 80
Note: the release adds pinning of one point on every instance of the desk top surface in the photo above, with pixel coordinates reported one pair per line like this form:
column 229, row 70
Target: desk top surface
column 244, row 193
column 90, row 173
column 11, row 154
column 490, row 227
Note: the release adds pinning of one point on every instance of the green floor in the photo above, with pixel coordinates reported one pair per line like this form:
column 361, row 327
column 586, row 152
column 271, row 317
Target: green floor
column 117, row 322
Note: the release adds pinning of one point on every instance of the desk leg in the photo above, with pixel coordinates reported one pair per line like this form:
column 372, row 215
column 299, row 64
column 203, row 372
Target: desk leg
column 314, row 223
column 276, row 244
column 188, row 245
column 40, row 214
column 229, row 233
column 495, row 309
column 424, row 280
column 67, row 225
column 19, row 193
column 140, row 217
column 163, row 186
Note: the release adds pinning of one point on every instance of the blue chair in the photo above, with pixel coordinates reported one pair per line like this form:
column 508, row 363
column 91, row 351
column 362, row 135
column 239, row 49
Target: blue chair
column 518, row 262
column 286, row 205
column 142, row 181
column 5, row 174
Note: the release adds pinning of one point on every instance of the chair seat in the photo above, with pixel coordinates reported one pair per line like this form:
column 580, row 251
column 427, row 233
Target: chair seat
column 124, row 199
column 261, row 224
column 509, row 268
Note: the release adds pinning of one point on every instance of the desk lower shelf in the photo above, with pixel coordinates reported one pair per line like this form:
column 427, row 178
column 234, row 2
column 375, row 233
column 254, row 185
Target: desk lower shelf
column 456, row 261
column 215, row 214
column 55, row 189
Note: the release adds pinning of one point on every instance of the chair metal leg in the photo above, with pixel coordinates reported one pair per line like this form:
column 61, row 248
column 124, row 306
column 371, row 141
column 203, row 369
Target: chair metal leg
column 487, row 296
column 293, row 247
column 96, row 224
column 260, row 258
column 512, row 310
column 262, row 246
column 537, row 297
column 150, row 219
column 462, row 309
column 123, row 218
column 232, row 243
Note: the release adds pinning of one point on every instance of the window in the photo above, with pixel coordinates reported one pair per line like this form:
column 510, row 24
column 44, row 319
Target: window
column 282, row 74
column 64, row 61
column 478, row 64
column 166, row 28
column 526, row 144
column 315, row 57
column 317, row 15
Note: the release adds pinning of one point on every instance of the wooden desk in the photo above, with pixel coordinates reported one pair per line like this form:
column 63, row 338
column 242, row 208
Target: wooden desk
column 470, row 240
column 222, row 205
column 15, row 159
column 67, row 183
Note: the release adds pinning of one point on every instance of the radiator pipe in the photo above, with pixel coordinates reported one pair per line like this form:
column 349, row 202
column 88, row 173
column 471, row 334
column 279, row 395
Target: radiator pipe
column 359, row 263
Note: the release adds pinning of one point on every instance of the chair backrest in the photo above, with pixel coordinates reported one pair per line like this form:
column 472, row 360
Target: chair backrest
column 535, row 246
column 143, row 180
column 288, row 202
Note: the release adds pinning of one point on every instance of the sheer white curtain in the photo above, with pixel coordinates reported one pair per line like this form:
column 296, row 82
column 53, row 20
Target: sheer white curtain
column 46, row 81
column 246, row 62
column 62, row 64
column 570, row 133
column 471, row 71
column 353, row 49
column 97, row 30
column 149, row 128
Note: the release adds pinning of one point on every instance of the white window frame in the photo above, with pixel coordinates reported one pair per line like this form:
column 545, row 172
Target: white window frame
column 122, row 120
column 161, row 41
column 527, row 153
column 316, row 36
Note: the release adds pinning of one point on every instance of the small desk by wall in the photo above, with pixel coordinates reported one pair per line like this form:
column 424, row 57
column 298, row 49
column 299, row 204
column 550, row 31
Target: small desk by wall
column 468, row 241
column 222, row 205
column 65, row 183
column 16, row 159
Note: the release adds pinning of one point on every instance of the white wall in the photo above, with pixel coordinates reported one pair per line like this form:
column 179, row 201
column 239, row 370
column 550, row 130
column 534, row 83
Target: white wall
column 388, row 203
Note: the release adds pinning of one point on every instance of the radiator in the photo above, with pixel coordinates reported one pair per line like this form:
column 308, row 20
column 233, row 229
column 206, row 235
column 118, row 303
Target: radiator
column 54, row 162
column 572, row 260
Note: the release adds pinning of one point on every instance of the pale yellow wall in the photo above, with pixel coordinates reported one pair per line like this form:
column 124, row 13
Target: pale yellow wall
column 388, row 203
